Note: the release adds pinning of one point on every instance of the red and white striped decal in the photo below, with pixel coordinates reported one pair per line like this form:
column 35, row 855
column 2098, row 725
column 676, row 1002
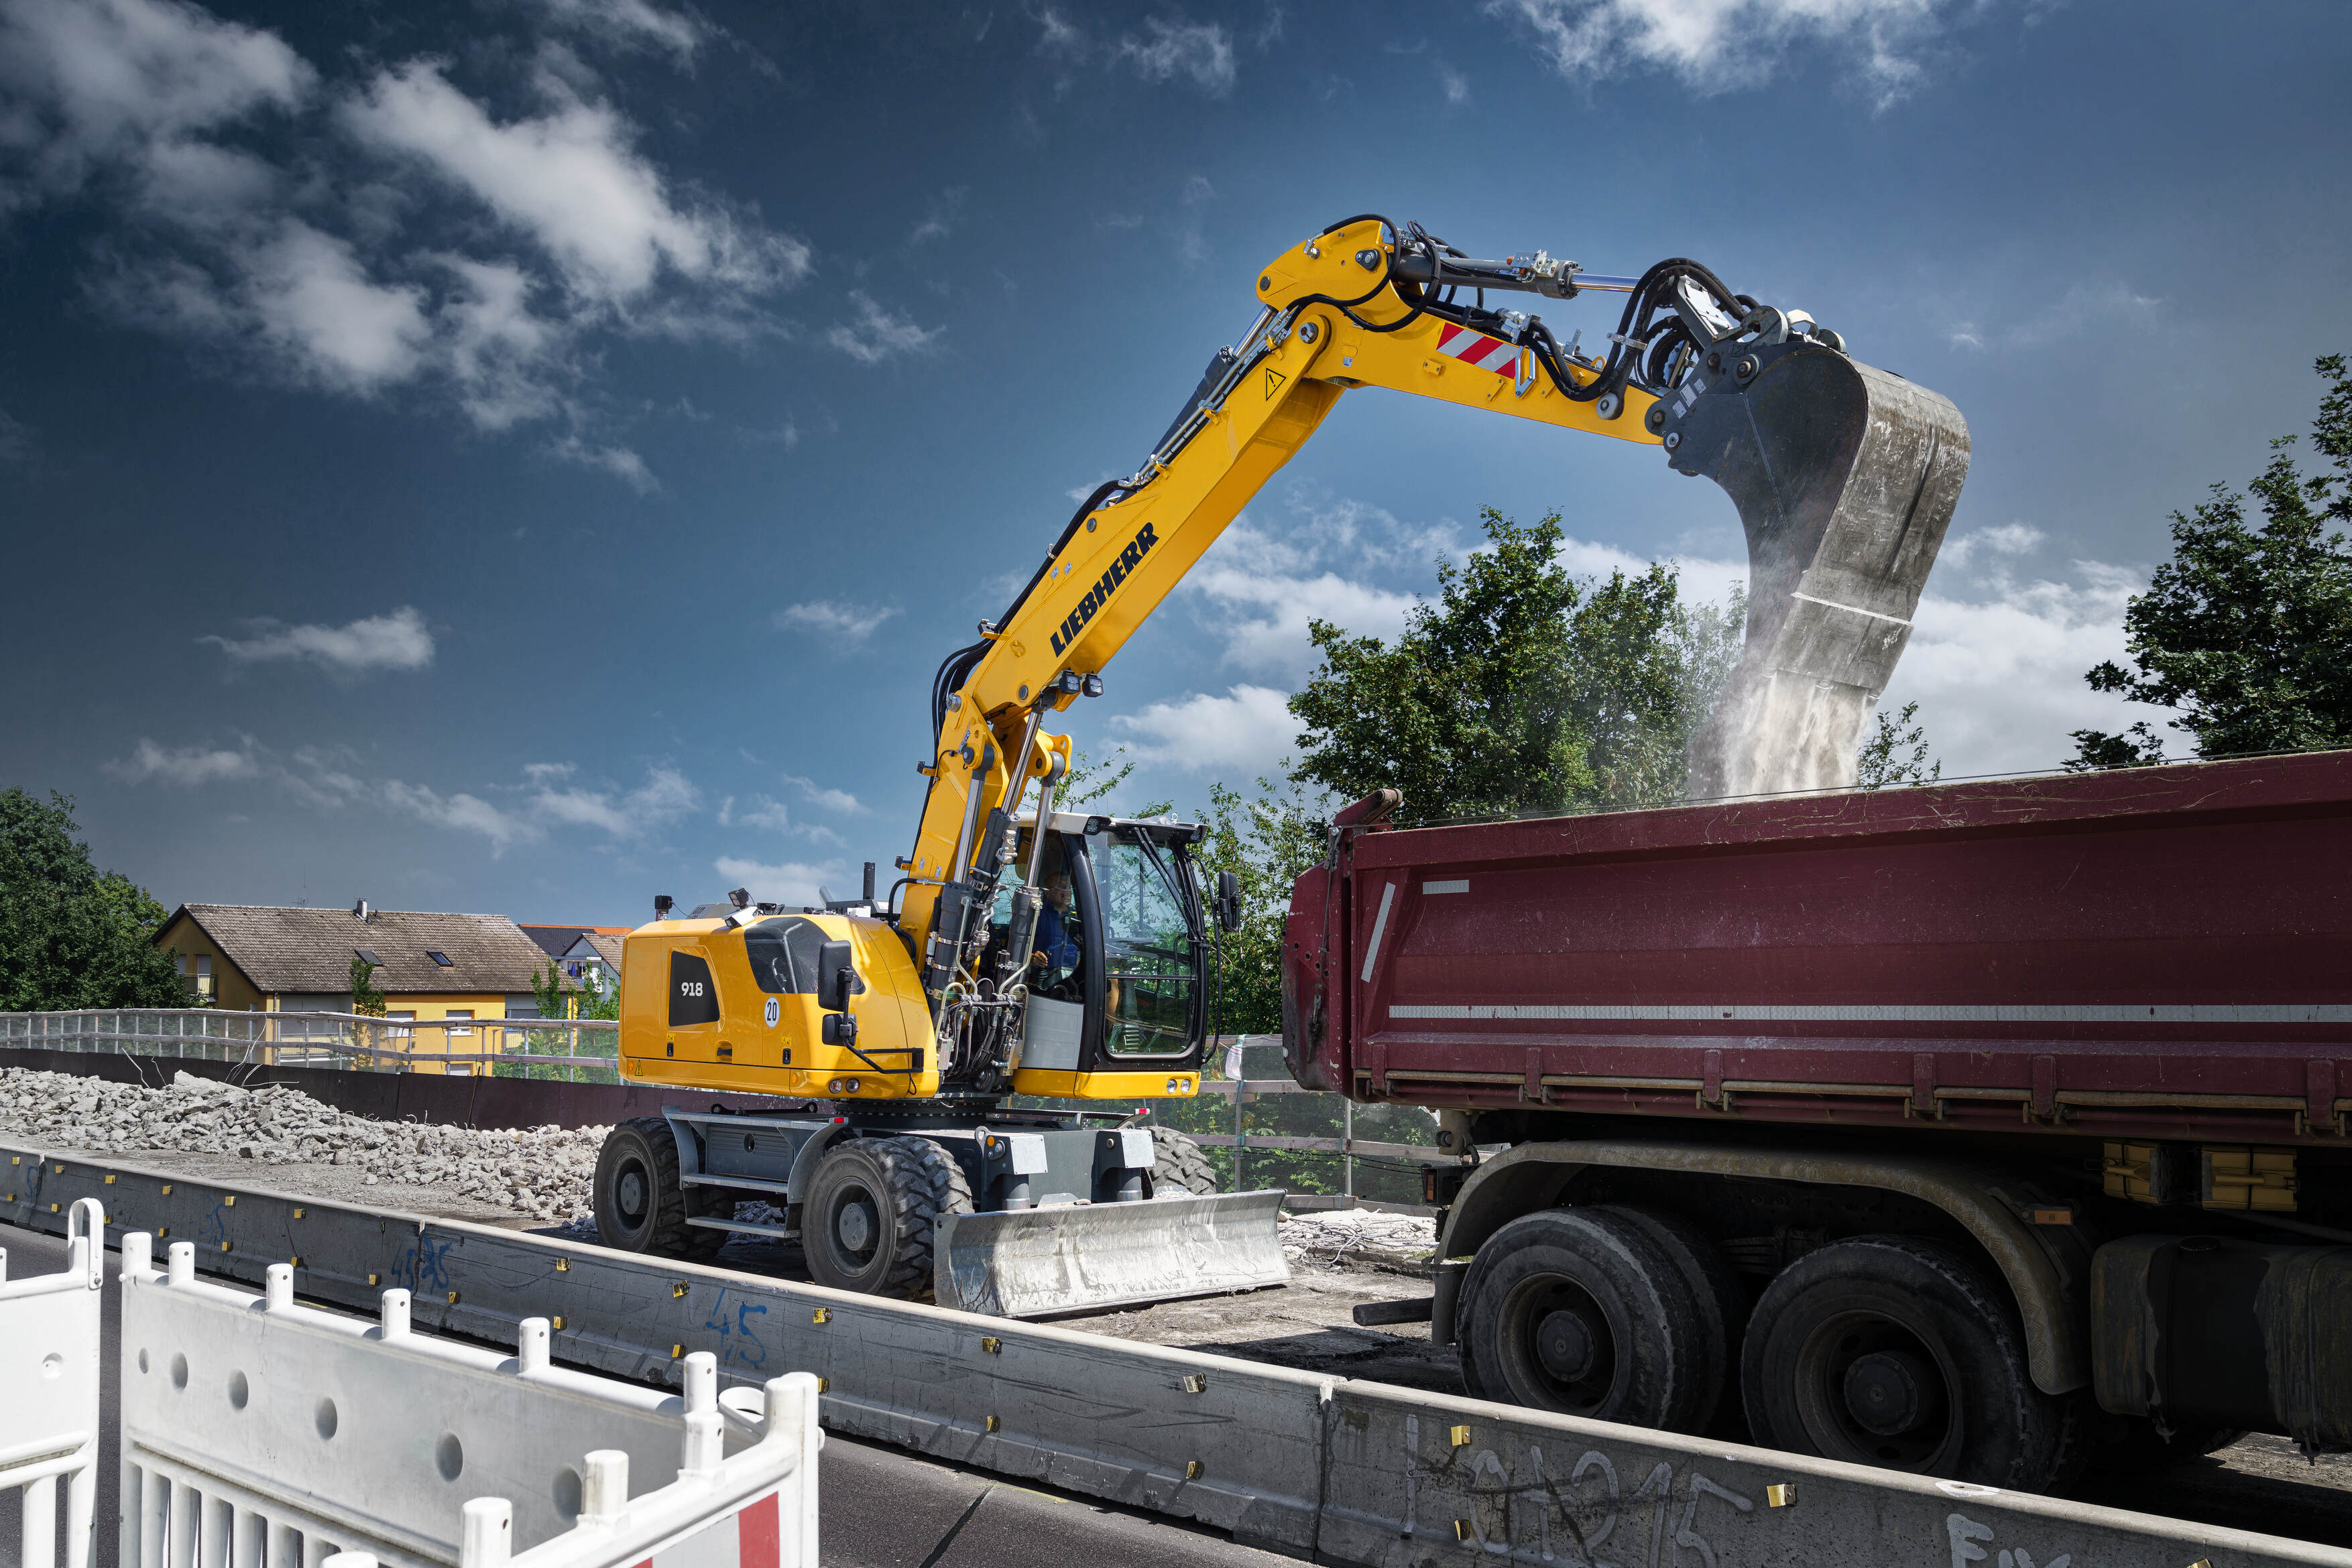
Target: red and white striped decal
column 1479, row 350
column 751, row 1537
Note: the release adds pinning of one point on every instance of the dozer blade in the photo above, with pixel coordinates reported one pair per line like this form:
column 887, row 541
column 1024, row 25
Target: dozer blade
column 1846, row 479
column 1031, row 1262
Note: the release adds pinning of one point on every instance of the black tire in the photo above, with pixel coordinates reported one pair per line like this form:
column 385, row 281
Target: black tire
column 1721, row 1300
column 1902, row 1353
column 867, row 1224
column 640, row 1205
column 1580, row 1311
column 1179, row 1166
column 2131, row 1446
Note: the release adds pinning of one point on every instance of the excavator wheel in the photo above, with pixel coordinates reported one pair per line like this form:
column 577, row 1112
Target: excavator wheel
column 1179, row 1167
column 868, row 1223
column 641, row 1205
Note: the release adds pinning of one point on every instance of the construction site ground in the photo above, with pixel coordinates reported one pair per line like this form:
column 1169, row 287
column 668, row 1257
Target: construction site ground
column 1339, row 1259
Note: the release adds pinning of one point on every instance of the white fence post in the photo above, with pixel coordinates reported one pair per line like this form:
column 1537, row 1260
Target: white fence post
column 48, row 1387
column 259, row 1433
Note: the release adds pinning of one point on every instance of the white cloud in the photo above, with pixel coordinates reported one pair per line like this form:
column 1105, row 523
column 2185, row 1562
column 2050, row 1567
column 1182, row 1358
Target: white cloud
column 1456, row 85
column 773, row 816
column 466, row 813
column 1998, row 673
column 400, row 640
column 1202, row 51
column 1719, row 46
column 633, row 25
column 831, row 799
column 792, row 883
column 618, row 461
column 570, row 180
column 2003, row 540
column 2107, row 306
column 185, row 767
column 16, row 441
column 1247, row 731
column 91, row 81
column 411, row 239
column 877, row 333
column 666, row 796
column 834, row 619
column 939, row 219
column 1167, row 48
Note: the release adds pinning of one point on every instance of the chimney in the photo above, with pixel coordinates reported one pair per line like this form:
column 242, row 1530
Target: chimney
column 360, row 909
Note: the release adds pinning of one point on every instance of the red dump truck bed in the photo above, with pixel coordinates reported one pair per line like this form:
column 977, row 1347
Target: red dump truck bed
column 2162, row 952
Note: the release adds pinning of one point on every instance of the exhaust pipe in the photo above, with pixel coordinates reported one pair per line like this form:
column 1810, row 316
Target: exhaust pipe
column 1845, row 477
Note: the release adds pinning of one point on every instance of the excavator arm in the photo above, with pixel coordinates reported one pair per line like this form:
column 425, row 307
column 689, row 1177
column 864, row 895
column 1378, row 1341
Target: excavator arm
column 1846, row 479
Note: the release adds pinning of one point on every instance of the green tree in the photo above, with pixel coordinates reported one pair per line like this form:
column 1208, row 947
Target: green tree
column 71, row 934
column 1519, row 690
column 2244, row 629
column 556, row 993
column 366, row 1000
column 1895, row 752
column 1266, row 840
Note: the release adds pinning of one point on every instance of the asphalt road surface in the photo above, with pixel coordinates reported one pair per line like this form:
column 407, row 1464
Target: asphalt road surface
column 880, row 1507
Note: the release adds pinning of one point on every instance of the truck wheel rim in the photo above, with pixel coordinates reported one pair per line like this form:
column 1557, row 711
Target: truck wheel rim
column 852, row 1229
column 1559, row 1345
column 629, row 1195
column 1871, row 1391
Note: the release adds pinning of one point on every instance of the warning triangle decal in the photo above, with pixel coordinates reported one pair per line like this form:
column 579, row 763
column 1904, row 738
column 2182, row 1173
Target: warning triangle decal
column 1273, row 379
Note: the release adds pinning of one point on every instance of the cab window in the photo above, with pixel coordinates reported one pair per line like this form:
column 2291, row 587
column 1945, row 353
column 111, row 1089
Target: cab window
column 1148, row 964
column 1058, row 953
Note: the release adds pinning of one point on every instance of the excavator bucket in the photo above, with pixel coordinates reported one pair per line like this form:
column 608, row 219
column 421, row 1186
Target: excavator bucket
column 1034, row 1262
column 1846, row 479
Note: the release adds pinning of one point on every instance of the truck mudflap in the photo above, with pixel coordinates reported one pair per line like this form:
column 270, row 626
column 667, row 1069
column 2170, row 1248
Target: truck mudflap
column 1033, row 1263
column 1845, row 477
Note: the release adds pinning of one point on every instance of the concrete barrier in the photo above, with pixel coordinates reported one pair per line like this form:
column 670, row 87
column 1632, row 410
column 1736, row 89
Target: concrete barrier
column 1332, row 1469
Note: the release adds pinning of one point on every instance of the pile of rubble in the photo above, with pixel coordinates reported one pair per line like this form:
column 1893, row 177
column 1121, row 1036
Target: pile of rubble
column 543, row 1172
column 1358, row 1238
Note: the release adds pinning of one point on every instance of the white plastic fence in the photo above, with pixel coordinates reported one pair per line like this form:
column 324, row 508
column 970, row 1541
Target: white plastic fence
column 49, row 1329
column 260, row 1434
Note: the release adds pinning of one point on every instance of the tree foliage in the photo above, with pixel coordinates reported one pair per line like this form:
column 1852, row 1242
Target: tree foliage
column 366, row 1000
column 561, row 996
column 1895, row 752
column 71, row 934
column 1521, row 690
column 2245, row 630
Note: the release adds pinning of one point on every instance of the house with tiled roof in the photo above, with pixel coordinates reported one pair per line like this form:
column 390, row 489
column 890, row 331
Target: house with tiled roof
column 428, row 964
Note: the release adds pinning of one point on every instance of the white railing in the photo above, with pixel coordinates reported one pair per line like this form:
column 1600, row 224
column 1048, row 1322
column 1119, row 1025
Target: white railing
column 257, row 1432
column 578, row 1050
column 49, row 1392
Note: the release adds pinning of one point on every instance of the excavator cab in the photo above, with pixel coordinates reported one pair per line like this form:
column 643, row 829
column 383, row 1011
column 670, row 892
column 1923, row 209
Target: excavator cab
column 1121, row 961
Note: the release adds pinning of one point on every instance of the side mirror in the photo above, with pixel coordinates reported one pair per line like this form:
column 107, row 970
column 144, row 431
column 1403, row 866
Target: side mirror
column 1229, row 901
column 836, row 975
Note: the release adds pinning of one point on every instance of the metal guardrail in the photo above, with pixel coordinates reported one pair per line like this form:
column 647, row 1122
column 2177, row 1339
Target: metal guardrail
column 577, row 1051
column 1327, row 1469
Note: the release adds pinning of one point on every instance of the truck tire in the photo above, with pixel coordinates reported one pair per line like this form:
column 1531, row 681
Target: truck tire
column 1179, row 1166
column 1580, row 1311
column 1899, row 1352
column 641, row 1207
column 866, row 1224
column 1721, row 1300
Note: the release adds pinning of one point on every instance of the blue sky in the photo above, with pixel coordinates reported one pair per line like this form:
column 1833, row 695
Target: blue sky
column 530, row 454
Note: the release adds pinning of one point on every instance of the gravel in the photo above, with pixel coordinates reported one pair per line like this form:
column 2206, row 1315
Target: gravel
column 540, row 1172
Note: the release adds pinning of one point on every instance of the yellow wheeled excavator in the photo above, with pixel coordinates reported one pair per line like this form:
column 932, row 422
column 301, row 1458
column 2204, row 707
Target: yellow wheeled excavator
column 1029, row 951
